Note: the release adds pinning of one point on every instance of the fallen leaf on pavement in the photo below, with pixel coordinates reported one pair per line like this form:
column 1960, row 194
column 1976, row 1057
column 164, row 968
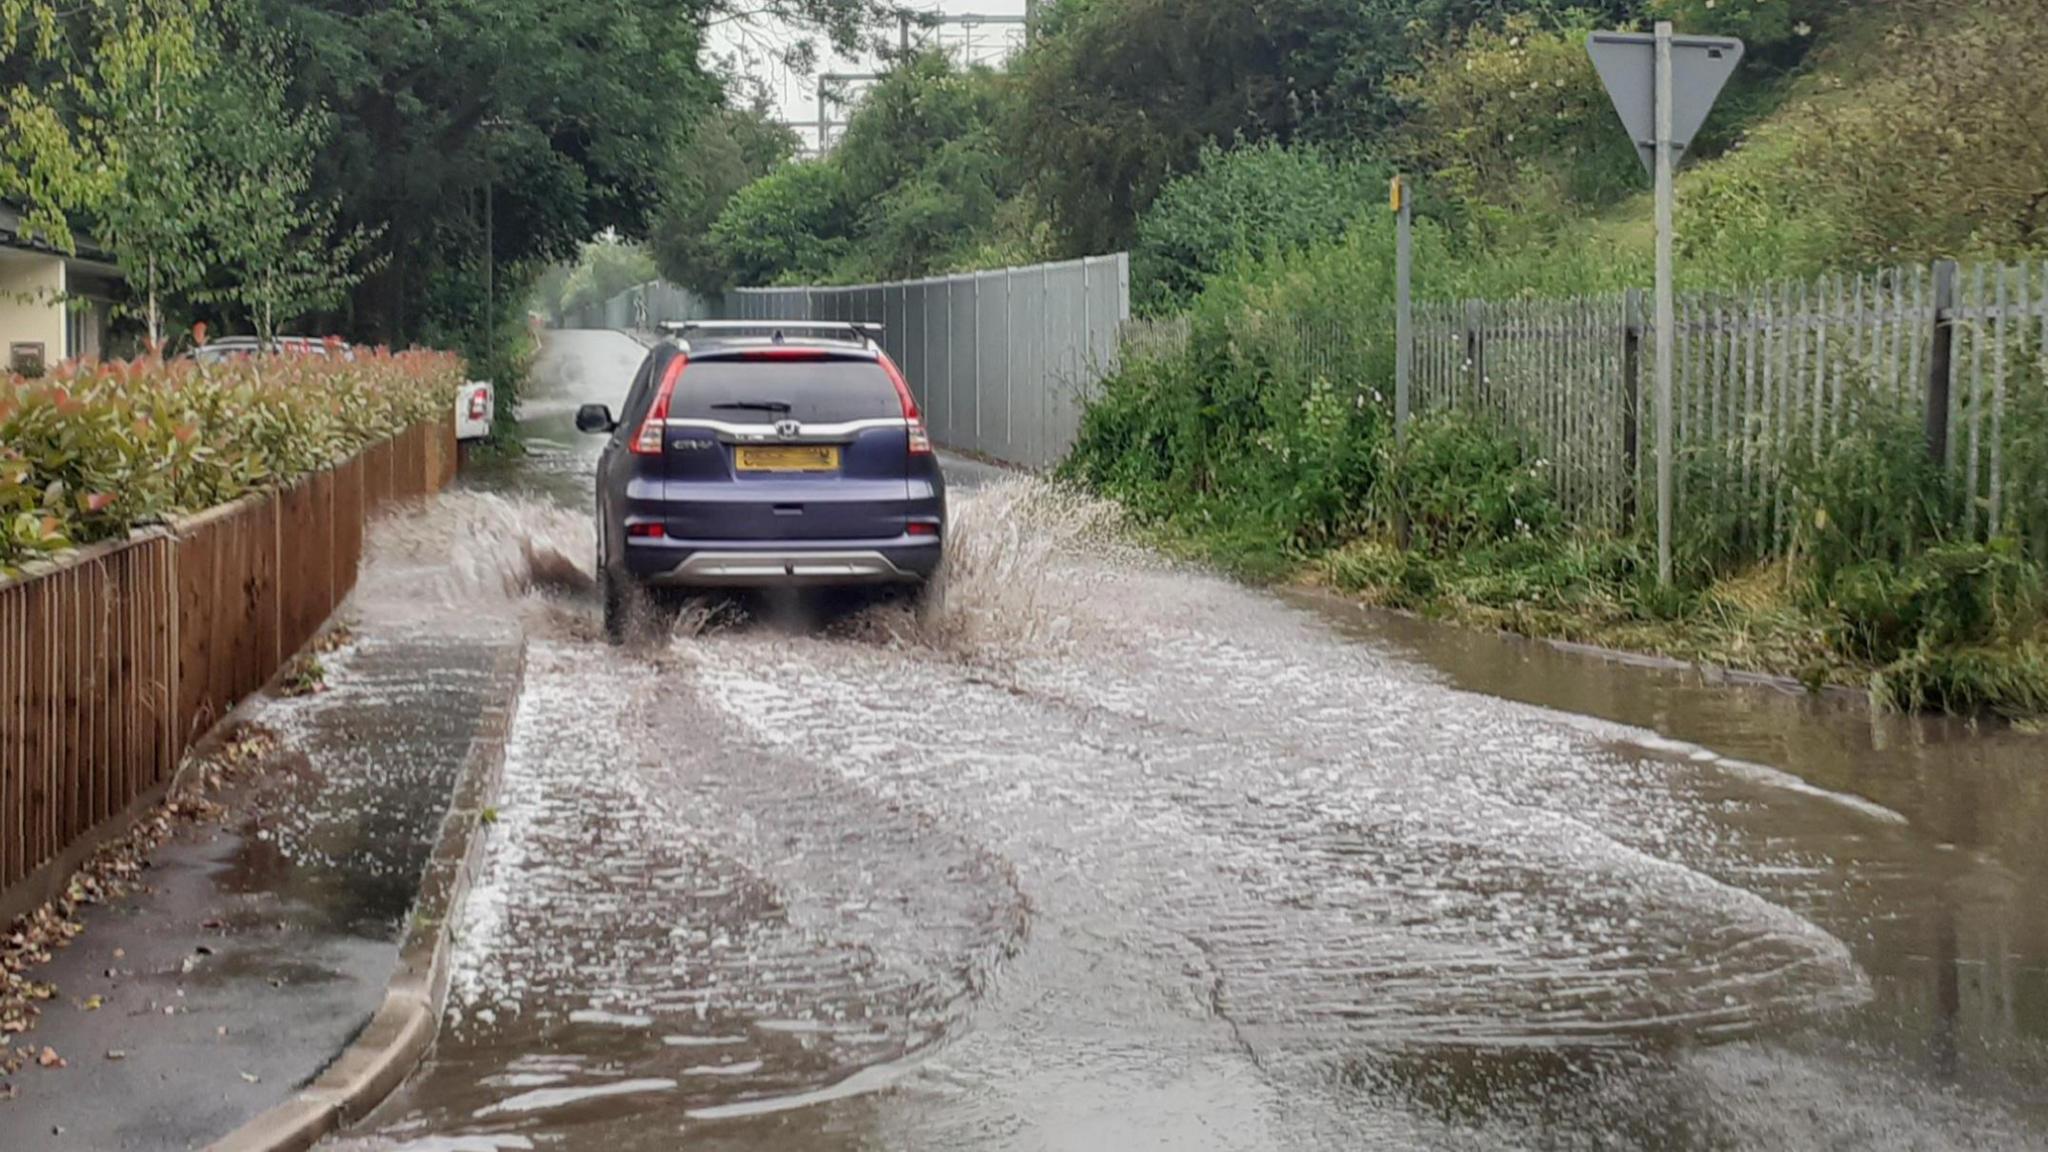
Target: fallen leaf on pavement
column 116, row 1054
column 116, row 869
column 92, row 1003
column 249, row 1076
column 49, row 1058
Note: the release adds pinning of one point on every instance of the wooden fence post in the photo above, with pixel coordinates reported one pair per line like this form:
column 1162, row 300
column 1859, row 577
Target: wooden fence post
column 1939, row 361
column 1631, row 401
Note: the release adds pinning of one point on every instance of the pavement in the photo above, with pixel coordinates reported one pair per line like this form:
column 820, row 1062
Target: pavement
column 260, row 944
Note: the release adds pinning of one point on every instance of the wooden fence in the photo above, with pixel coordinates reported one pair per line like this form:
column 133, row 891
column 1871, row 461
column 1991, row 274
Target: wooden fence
column 116, row 659
column 1765, row 381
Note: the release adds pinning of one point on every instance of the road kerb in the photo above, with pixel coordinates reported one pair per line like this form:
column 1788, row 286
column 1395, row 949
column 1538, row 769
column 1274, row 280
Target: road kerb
column 403, row 1028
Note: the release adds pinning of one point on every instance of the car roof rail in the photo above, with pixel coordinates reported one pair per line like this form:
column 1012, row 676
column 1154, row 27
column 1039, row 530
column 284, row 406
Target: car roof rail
column 860, row 331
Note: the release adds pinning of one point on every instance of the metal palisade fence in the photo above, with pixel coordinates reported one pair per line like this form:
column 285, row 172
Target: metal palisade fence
column 1766, row 381
column 1003, row 363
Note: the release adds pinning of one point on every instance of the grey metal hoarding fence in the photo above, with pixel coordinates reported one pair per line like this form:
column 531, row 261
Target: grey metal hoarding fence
column 1003, row 363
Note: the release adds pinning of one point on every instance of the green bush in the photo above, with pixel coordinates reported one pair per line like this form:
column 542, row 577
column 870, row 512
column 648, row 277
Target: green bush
column 1461, row 482
column 1762, row 24
column 2011, row 680
column 97, row 447
column 1513, row 127
column 1258, row 200
column 1873, row 495
column 1276, row 409
column 1952, row 595
column 789, row 226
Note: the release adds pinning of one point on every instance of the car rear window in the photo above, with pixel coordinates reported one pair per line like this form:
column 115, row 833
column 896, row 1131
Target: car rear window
column 816, row 391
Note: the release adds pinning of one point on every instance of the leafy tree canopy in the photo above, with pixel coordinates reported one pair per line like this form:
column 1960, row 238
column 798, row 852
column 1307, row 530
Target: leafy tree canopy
column 790, row 225
column 1258, row 201
column 725, row 150
column 915, row 182
column 606, row 267
column 1119, row 95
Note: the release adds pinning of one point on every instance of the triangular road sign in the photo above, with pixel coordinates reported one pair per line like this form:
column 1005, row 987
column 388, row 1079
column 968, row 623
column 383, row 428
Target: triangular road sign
column 1700, row 67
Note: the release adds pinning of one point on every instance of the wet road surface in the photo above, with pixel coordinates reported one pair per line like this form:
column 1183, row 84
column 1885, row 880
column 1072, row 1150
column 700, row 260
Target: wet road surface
column 1116, row 855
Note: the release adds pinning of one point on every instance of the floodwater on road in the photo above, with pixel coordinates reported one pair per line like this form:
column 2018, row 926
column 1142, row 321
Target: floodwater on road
column 1114, row 854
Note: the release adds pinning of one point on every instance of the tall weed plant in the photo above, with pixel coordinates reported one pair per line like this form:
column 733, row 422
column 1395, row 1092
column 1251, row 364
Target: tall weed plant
column 1268, row 426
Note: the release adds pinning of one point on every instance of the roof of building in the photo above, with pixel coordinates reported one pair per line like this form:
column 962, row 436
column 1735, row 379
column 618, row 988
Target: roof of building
column 89, row 255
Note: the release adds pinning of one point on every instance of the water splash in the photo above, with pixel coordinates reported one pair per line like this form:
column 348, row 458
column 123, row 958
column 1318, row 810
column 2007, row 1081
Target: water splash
column 1022, row 556
column 478, row 552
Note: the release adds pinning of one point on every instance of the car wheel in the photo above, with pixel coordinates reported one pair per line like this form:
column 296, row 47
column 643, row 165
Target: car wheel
column 611, row 590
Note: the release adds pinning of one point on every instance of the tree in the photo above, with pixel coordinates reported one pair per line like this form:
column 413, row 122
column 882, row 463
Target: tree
column 280, row 253
column 606, row 267
column 946, row 206
column 1117, row 96
column 791, row 224
column 563, row 114
column 726, row 150
column 915, row 183
column 109, row 137
column 1257, row 201
column 924, row 166
column 1512, row 125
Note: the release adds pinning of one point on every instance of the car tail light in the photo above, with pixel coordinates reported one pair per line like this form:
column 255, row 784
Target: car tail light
column 648, row 441
column 646, row 531
column 920, row 440
column 916, row 529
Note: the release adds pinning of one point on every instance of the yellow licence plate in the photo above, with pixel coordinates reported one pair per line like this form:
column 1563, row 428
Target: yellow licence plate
column 790, row 458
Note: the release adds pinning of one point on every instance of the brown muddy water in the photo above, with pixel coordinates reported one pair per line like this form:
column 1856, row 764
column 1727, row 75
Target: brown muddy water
column 1114, row 854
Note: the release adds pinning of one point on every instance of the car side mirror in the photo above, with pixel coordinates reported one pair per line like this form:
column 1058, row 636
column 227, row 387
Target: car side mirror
column 595, row 418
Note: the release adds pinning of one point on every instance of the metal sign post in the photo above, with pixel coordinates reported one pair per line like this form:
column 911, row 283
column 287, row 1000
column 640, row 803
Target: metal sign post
column 1663, row 86
column 1404, row 328
column 1667, row 308
column 1404, row 306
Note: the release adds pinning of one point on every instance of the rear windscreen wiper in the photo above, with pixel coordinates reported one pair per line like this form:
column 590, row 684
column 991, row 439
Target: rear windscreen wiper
column 754, row 405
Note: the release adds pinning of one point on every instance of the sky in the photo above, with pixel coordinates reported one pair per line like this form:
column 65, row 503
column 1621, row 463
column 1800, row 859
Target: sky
column 795, row 95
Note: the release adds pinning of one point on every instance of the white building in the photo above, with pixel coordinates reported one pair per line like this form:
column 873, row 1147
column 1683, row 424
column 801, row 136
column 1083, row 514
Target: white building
column 52, row 307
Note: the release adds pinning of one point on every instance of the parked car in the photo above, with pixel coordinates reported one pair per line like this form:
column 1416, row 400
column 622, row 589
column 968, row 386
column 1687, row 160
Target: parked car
column 474, row 408
column 765, row 454
column 230, row 347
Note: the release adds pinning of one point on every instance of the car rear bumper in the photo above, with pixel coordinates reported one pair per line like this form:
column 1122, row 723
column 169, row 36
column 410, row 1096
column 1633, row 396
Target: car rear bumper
column 770, row 564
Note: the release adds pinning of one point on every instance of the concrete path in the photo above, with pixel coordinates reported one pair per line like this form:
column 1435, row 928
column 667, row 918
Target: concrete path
column 261, row 944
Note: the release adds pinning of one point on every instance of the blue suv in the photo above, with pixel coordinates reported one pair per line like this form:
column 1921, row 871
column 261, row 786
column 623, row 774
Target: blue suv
column 765, row 454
